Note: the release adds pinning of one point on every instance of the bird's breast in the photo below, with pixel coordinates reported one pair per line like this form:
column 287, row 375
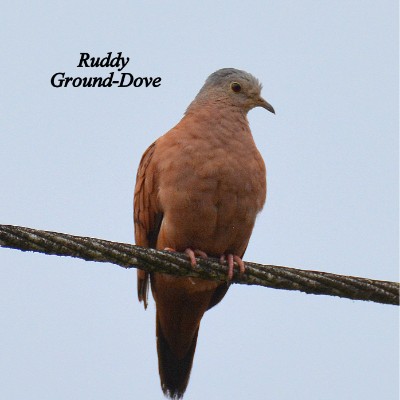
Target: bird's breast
column 216, row 194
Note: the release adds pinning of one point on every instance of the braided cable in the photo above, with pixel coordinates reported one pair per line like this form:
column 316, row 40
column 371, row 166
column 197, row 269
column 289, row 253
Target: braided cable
column 150, row 260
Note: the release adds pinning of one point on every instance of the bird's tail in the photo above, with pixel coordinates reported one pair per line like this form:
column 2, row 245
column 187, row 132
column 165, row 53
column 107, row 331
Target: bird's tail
column 174, row 371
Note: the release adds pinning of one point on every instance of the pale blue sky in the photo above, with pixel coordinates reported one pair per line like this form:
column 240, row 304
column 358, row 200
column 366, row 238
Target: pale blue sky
column 68, row 157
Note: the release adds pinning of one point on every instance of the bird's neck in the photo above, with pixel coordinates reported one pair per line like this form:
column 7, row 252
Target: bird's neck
column 217, row 109
column 225, row 121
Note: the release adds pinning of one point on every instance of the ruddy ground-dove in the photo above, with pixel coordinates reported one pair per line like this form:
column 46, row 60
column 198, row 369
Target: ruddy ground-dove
column 198, row 190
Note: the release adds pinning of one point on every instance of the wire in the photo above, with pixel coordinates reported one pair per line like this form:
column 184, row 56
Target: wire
column 151, row 260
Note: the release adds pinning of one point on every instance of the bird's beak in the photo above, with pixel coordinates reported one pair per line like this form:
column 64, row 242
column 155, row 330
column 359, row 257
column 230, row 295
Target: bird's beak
column 264, row 104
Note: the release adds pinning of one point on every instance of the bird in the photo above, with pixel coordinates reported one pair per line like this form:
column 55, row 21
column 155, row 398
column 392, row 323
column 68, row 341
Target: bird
column 199, row 188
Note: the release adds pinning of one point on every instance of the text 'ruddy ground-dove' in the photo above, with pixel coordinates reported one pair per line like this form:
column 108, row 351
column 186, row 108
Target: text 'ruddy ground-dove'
column 198, row 190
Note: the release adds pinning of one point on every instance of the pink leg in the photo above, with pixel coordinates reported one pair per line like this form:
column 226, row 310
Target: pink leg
column 192, row 256
column 169, row 249
column 230, row 258
column 193, row 253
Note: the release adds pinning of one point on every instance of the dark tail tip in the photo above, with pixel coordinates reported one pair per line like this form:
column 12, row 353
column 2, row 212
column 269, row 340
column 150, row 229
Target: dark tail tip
column 174, row 372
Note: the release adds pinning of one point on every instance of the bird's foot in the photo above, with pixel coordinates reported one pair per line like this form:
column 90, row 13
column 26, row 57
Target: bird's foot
column 191, row 254
column 169, row 249
column 230, row 259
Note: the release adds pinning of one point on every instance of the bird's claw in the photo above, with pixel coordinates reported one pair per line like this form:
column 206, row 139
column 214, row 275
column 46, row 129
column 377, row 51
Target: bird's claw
column 193, row 253
column 230, row 259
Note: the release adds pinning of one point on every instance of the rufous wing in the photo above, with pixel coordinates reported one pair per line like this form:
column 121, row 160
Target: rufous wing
column 147, row 213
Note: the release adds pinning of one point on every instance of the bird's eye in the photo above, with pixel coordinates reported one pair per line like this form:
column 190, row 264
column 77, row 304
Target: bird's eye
column 236, row 87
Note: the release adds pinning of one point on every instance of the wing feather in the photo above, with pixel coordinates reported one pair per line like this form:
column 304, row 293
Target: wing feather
column 147, row 215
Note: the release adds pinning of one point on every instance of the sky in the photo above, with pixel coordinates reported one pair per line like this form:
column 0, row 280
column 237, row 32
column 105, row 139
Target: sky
column 72, row 329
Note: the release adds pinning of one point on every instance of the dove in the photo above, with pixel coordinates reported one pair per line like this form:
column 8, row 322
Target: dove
column 199, row 188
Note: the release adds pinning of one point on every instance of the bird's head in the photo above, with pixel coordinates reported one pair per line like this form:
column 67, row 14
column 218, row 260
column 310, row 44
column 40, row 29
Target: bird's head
column 238, row 88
